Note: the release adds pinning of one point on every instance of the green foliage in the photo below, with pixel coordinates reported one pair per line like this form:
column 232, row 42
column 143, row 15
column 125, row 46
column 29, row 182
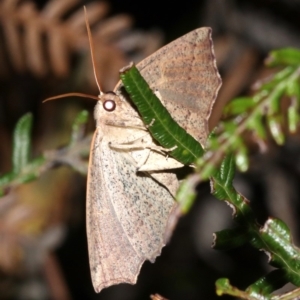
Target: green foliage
column 25, row 169
column 161, row 125
column 274, row 237
column 260, row 290
column 21, row 143
column 262, row 115
column 284, row 57
column 78, row 127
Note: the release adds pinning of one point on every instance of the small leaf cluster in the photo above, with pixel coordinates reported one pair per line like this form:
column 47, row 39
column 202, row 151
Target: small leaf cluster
column 272, row 111
column 25, row 169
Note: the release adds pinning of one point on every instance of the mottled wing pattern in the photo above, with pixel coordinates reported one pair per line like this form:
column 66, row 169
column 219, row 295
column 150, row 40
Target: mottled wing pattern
column 185, row 74
column 127, row 216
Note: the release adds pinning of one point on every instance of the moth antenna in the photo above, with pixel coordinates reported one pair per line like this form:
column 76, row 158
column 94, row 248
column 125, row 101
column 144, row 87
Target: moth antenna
column 92, row 50
column 71, row 95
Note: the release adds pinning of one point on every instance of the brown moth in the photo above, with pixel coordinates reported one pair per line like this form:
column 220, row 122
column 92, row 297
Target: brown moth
column 129, row 212
column 185, row 76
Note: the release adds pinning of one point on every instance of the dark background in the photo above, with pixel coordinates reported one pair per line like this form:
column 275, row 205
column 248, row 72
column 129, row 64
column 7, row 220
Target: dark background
column 187, row 268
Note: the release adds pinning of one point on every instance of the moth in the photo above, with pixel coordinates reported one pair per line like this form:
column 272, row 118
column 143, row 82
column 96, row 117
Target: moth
column 130, row 191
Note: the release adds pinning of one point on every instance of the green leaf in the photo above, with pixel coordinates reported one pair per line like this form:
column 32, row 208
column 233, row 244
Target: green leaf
column 277, row 238
column 275, row 126
column 267, row 284
column 272, row 82
column 223, row 286
column 159, row 121
column 260, row 290
column 222, row 188
column 241, row 158
column 293, row 88
column 274, row 98
column 256, row 124
column 186, row 193
column 21, row 143
column 78, row 126
column 285, row 56
column 238, row 106
column 293, row 117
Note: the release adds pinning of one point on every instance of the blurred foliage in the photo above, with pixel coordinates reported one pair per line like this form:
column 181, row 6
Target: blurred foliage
column 25, row 169
column 272, row 111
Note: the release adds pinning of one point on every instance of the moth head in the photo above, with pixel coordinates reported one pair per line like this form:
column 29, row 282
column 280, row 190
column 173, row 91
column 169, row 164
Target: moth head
column 114, row 110
column 109, row 105
column 109, row 101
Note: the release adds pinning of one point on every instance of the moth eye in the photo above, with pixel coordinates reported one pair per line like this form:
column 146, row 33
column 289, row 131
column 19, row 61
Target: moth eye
column 109, row 105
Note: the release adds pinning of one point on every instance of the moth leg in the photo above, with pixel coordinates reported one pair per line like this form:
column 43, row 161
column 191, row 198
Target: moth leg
column 149, row 156
column 132, row 126
column 139, row 149
column 140, row 146
column 169, row 180
column 161, row 168
column 140, row 156
column 155, row 163
column 141, row 143
column 159, row 162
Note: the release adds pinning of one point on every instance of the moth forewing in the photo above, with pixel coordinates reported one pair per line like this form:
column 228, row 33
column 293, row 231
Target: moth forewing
column 104, row 232
column 185, row 75
column 127, row 214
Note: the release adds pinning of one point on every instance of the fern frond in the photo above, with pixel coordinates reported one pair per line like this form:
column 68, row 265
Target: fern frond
column 44, row 41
